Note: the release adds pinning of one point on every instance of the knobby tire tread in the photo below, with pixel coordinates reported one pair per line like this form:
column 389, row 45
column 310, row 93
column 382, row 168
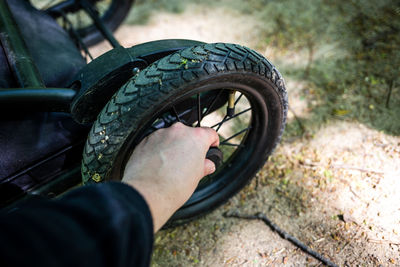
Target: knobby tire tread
column 155, row 84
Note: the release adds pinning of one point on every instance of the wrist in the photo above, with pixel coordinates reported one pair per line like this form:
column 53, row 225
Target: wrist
column 160, row 207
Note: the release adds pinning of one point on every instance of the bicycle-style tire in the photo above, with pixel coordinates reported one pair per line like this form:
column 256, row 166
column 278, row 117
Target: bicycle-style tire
column 178, row 77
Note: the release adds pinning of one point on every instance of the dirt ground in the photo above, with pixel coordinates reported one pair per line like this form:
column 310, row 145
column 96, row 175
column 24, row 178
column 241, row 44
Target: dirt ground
column 335, row 190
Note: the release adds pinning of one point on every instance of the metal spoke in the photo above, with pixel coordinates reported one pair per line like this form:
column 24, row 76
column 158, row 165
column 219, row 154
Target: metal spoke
column 198, row 110
column 79, row 20
column 165, row 120
column 175, row 114
column 220, row 123
column 96, row 8
column 75, row 35
column 230, row 144
column 225, row 119
column 236, row 134
column 212, row 103
column 237, row 100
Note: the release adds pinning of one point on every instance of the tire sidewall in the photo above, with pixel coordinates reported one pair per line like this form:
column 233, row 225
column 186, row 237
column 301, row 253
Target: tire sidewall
column 273, row 101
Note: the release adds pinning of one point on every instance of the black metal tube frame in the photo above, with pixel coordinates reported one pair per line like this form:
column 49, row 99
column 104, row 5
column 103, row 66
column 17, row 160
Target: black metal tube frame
column 33, row 94
column 37, row 99
column 75, row 5
column 18, row 56
column 99, row 23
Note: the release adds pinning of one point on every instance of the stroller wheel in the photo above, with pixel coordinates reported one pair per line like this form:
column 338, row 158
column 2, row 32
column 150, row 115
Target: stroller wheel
column 111, row 12
column 228, row 87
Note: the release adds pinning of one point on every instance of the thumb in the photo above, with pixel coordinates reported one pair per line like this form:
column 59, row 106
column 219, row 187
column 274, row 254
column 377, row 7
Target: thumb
column 209, row 167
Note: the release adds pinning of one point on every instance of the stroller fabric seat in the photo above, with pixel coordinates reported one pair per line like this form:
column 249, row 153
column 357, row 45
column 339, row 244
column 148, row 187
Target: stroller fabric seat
column 53, row 51
column 35, row 147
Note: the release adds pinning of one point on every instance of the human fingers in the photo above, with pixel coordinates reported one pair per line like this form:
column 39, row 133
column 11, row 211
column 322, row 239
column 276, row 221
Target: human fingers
column 209, row 167
column 211, row 140
column 213, row 136
column 208, row 136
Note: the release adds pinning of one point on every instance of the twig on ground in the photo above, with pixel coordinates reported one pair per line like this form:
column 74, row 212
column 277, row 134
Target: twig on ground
column 280, row 251
column 383, row 242
column 357, row 169
column 303, row 130
column 389, row 93
column 348, row 241
column 354, row 193
column 340, row 166
column 283, row 234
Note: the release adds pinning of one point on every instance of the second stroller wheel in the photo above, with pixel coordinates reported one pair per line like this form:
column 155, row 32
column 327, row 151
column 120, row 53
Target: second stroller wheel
column 111, row 13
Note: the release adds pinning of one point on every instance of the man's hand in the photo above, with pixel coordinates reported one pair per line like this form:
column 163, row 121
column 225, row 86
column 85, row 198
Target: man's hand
column 167, row 166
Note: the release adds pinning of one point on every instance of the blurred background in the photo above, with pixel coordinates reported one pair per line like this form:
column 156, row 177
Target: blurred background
column 333, row 182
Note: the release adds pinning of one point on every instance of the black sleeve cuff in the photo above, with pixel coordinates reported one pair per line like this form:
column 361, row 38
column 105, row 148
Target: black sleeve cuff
column 107, row 224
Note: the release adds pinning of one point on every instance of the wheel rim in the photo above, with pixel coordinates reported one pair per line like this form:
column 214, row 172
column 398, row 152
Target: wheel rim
column 235, row 164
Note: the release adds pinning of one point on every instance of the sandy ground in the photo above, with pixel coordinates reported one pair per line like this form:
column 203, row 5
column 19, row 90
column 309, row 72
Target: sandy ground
column 196, row 23
column 336, row 191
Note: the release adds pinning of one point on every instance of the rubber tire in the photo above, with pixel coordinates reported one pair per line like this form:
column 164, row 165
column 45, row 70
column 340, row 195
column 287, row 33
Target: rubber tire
column 132, row 109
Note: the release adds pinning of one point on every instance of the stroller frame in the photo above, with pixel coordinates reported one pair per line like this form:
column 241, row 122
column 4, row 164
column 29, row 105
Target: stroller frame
column 87, row 93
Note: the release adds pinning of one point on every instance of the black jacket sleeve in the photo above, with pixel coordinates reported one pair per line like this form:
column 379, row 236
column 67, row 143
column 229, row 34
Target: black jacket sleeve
column 107, row 224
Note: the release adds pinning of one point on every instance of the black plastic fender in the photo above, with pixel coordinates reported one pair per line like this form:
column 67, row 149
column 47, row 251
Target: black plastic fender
column 102, row 77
